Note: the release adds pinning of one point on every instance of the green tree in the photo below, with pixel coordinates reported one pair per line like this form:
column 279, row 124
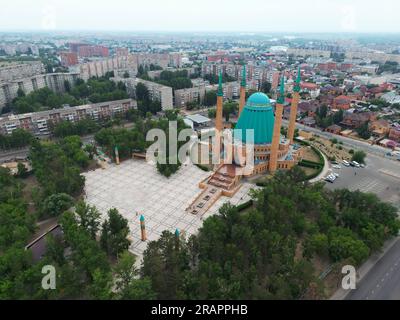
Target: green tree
column 363, row 131
column 56, row 204
column 128, row 284
column 210, row 98
column 89, row 218
column 359, row 156
column 114, row 234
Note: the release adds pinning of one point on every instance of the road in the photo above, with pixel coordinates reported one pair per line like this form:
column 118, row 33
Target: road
column 382, row 282
column 347, row 142
column 382, row 177
column 378, row 177
column 23, row 152
column 13, row 154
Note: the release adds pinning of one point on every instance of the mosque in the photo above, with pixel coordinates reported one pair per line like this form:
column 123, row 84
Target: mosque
column 271, row 150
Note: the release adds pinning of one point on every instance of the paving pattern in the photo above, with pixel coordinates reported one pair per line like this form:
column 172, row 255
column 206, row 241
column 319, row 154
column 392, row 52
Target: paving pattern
column 135, row 188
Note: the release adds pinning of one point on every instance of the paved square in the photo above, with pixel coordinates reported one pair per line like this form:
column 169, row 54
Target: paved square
column 135, row 188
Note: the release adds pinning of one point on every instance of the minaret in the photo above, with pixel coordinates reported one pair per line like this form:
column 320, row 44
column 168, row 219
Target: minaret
column 218, row 124
column 117, row 155
column 220, row 98
column 293, row 109
column 276, row 139
column 143, row 228
column 243, row 86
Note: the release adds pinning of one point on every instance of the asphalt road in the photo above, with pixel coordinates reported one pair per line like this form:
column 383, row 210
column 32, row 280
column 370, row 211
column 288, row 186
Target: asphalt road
column 347, row 142
column 13, row 154
column 23, row 153
column 382, row 177
column 382, row 282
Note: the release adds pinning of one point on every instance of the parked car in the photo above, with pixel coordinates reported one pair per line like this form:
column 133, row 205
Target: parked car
column 355, row 164
column 346, row 163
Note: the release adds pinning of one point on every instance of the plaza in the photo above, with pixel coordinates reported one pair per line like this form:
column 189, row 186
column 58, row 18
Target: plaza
column 135, row 188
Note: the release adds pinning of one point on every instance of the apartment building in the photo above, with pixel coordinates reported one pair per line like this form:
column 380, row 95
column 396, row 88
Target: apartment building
column 231, row 89
column 164, row 60
column 99, row 68
column 308, row 52
column 373, row 56
column 13, row 71
column 54, row 81
column 157, row 91
column 93, row 51
column 39, row 123
column 69, row 59
column 157, row 73
column 185, row 96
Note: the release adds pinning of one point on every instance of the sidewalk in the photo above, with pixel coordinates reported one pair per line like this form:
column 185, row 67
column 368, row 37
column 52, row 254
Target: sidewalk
column 325, row 170
column 341, row 294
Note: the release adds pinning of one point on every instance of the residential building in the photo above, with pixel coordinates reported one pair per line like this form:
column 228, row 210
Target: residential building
column 299, row 52
column 54, row 81
column 88, row 51
column 379, row 128
column 99, row 68
column 157, row 91
column 185, row 96
column 69, row 59
column 394, row 134
column 356, row 120
column 335, row 129
column 39, row 123
column 13, row 71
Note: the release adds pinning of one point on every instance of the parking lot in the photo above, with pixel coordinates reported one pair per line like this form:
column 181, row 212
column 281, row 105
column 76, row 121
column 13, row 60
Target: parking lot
column 381, row 176
column 135, row 188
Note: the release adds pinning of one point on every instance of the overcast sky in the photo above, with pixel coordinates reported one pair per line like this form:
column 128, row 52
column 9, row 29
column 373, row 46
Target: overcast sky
column 202, row 15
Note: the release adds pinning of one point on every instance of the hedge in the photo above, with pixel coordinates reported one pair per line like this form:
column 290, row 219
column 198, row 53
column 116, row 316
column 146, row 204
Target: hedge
column 245, row 205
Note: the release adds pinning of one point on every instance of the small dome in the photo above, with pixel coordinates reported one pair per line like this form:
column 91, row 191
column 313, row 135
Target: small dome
column 258, row 99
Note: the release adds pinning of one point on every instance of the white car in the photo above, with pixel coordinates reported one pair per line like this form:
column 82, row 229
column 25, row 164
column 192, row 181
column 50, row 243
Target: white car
column 337, row 166
column 346, row 163
column 355, row 164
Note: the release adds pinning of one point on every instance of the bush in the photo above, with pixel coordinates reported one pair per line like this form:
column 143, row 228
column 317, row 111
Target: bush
column 359, row 156
column 245, row 205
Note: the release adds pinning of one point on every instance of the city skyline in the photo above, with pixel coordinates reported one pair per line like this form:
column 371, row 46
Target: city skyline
column 309, row 16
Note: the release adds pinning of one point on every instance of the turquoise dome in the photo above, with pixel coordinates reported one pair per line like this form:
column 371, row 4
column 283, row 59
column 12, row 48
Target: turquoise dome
column 258, row 99
column 258, row 114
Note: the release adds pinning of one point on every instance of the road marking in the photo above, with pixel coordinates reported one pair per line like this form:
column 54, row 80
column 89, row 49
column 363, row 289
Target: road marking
column 390, row 173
